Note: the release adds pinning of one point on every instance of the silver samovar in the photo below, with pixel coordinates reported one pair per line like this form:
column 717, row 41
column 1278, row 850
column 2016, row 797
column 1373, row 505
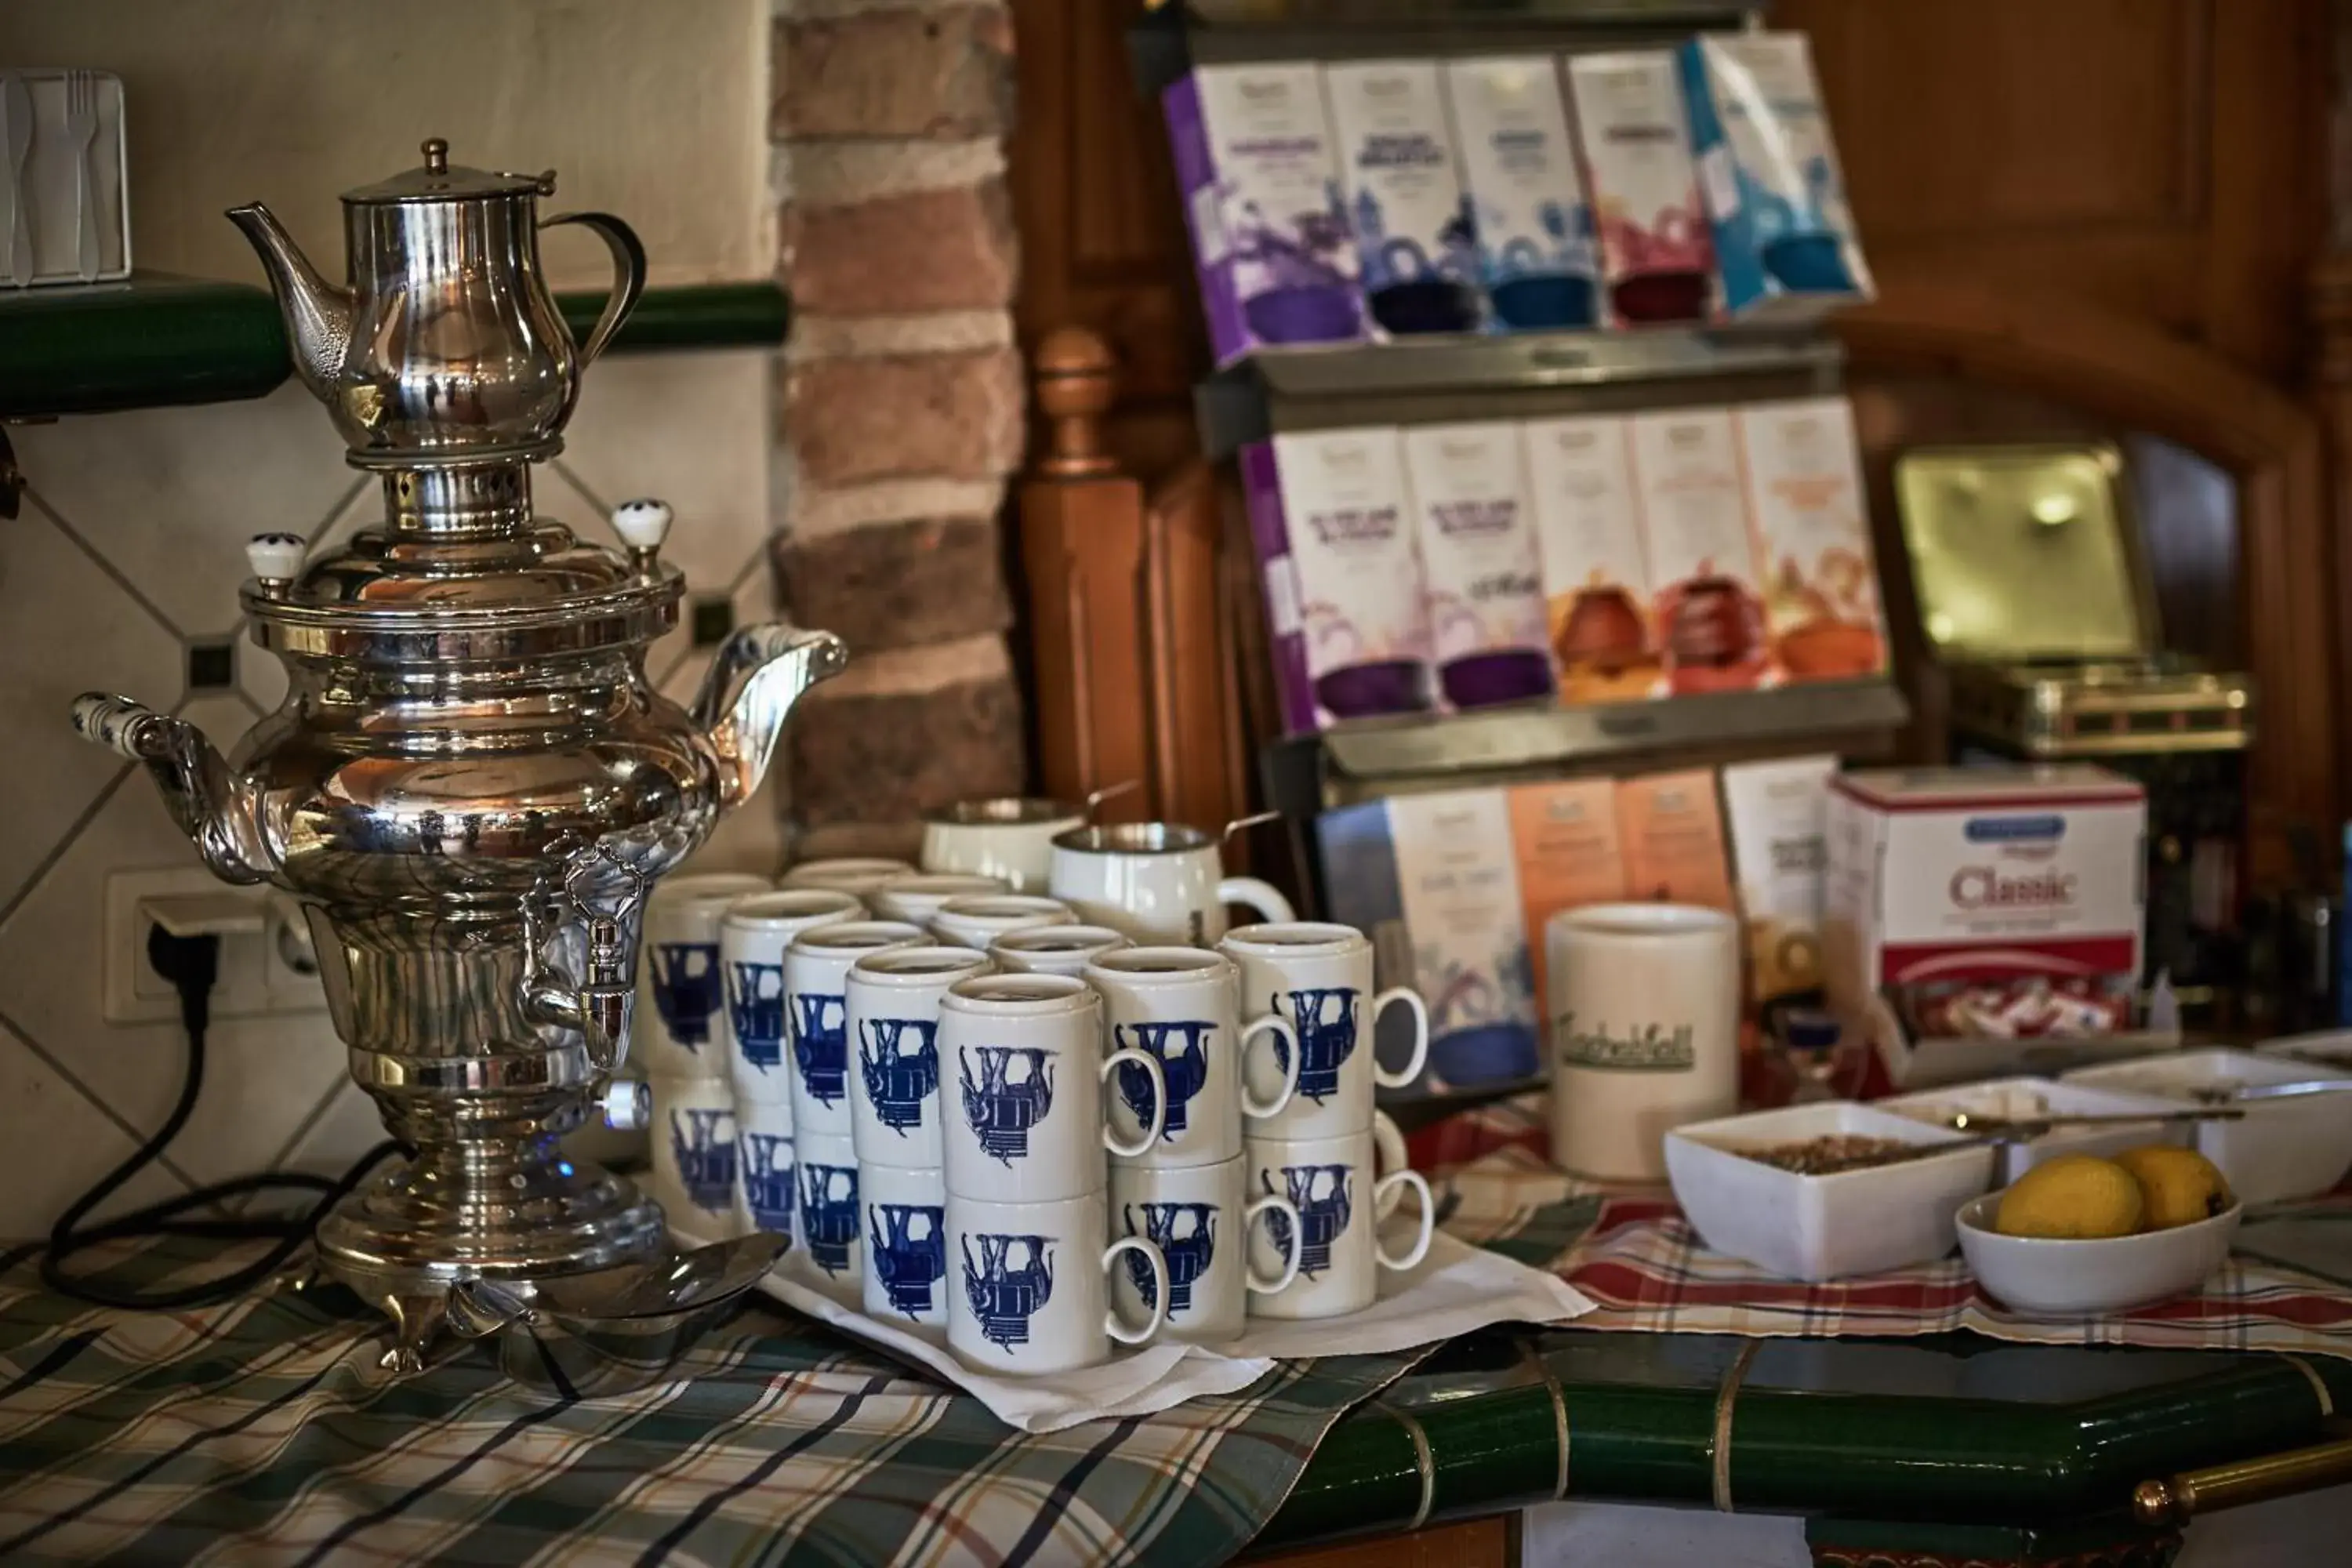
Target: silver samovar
column 470, row 785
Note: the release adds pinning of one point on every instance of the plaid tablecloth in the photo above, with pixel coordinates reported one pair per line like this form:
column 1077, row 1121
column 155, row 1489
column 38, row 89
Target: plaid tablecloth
column 262, row 1433
column 2287, row 1286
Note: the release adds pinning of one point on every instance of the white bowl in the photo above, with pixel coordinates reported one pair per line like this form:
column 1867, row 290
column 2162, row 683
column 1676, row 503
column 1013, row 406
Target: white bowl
column 2280, row 1148
column 1821, row 1228
column 2080, row 1279
column 2008, row 1096
column 2331, row 1047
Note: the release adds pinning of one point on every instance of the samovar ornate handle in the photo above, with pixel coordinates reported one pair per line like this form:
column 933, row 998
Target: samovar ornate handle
column 597, row 1003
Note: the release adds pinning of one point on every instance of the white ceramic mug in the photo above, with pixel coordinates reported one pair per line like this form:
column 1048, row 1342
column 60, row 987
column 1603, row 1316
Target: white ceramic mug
column 1319, row 977
column 1178, row 1006
column 858, row 874
column 1024, row 1067
column 1010, row 838
column 916, row 897
column 766, row 1190
column 752, row 936
column 907, row 1280
column 693, row 1176
column 1053, row 949
column 892, row 1008
column 828, row 1223
column 680, row 1021
column 1030, row 1285
column 1202, row 1218
column 816, row 969
column 1160, row 882
column 1339, row 1196
column 978, row 919
column 1642, row 1026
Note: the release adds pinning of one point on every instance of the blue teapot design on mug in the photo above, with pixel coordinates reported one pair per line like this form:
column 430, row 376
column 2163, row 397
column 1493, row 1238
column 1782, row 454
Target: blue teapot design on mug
column 768, row 1178
column 686, row 989
column 898, row 1079
column 706, row 1162
column 755, row 1006
column 1320, row 1219
column 821, row 1044
column 1187, row 1254
column 1184, row 1068
column 1004, row 1298
column 829, row 1214
column 1325, row 1021
column 1001, row 1108
column 907, row 1263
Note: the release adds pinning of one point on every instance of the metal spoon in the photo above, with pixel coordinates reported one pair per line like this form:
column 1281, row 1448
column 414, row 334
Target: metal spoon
column 2229, row 1096
column 2025, row 1129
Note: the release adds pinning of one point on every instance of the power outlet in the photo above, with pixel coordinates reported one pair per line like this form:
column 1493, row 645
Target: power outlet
column 254, row 978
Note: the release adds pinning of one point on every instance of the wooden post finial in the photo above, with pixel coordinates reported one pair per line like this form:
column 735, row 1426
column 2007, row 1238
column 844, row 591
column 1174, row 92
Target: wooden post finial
column 1076, row 387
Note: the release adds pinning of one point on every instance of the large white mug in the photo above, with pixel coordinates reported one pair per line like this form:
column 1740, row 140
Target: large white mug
column 766, row 1190
column 1024, row 1060
column 752, row 937
column 693, row 1176
column 892, row 1008
column 1319, row 978
column 680, row 1022
column 976, row 920
column 1031, row 1282
column 906, row 1281
column 829, row 1224
column 1053, row 949
column 816, row 970
column 916, row 897
column 1201, row 1217
column 1642, row 1026
column 1008, row 839
column 858, row 874
column 1341, row 1197
column 1160, row 882
column 1178, row 1005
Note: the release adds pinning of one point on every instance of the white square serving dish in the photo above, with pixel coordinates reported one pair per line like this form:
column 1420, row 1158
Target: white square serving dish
column 2281, row 1149
column 1823, row 1227
column 2018, row 1096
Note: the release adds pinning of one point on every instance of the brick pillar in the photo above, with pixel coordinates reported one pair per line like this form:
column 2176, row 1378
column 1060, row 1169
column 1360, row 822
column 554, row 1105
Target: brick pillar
column 902, row 406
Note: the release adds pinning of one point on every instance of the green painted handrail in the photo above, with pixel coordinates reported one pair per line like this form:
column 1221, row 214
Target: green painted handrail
column 158, row 341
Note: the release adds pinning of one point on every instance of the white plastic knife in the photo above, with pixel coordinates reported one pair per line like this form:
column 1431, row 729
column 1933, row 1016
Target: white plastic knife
column 16, row 141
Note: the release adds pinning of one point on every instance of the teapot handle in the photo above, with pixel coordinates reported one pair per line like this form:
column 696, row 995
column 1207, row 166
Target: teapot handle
column 628, row 275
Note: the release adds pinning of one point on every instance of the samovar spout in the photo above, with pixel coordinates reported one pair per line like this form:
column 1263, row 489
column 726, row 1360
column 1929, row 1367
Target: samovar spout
column 760, row 673
column 198, row 789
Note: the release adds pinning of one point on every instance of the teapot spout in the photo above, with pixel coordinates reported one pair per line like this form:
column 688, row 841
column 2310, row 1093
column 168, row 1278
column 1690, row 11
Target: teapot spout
column 198, row 789
column 760, row 673
column 318, row 315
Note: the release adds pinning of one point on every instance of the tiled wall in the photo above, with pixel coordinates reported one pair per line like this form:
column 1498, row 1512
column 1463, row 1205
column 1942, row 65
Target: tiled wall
column 127, row 552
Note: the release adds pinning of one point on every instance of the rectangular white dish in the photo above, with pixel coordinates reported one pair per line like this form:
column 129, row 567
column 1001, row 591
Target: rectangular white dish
column 1823, row 1227
column 2022, row 1098
column 2283, row 1149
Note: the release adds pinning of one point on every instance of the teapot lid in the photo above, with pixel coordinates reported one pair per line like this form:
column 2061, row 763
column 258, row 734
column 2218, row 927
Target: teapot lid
column 441, row 181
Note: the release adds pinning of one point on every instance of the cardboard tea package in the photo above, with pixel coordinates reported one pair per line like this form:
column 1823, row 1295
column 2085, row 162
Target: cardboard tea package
column 1479, row 563
column 1413, row 239
column 1778, row 815
column 1784, row 240
column 1633, row 134
column 1565, row 837
column 1334, row 537
column 1670, row 833
column 1536, row 253
column 1596, row 584
column 1262, row 197
column 1820, row 583
column 1696, row 534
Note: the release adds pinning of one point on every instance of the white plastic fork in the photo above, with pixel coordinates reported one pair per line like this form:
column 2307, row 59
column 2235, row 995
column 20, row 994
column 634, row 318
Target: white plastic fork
column 81, row 135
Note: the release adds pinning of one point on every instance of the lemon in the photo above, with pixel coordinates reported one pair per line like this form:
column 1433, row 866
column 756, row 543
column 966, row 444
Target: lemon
column 2177, row 1185
column 2073, row 1197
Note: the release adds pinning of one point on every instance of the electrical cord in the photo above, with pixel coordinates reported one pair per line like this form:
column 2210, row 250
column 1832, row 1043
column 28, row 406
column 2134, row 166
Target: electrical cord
column 191, row 963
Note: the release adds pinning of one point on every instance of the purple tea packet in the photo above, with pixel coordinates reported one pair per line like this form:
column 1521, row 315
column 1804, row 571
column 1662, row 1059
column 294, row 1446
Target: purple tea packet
column 1480, row 561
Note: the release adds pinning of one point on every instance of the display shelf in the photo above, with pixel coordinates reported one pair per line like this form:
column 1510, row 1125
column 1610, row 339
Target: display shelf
column 1173, row 37
column 1305, row 772
column 156, row 340
column 1441, row 378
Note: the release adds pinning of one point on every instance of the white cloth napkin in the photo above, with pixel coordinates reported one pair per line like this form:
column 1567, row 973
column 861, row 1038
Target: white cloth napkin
column 1457, row 1287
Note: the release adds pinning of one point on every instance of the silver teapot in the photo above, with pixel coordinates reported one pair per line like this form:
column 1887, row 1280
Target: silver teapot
column 470, row 785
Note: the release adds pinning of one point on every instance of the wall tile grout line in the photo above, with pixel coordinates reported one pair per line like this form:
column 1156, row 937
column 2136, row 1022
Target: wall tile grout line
column 97, row 559
column 580, row 487
column 65, row 842
column 74, row 1082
